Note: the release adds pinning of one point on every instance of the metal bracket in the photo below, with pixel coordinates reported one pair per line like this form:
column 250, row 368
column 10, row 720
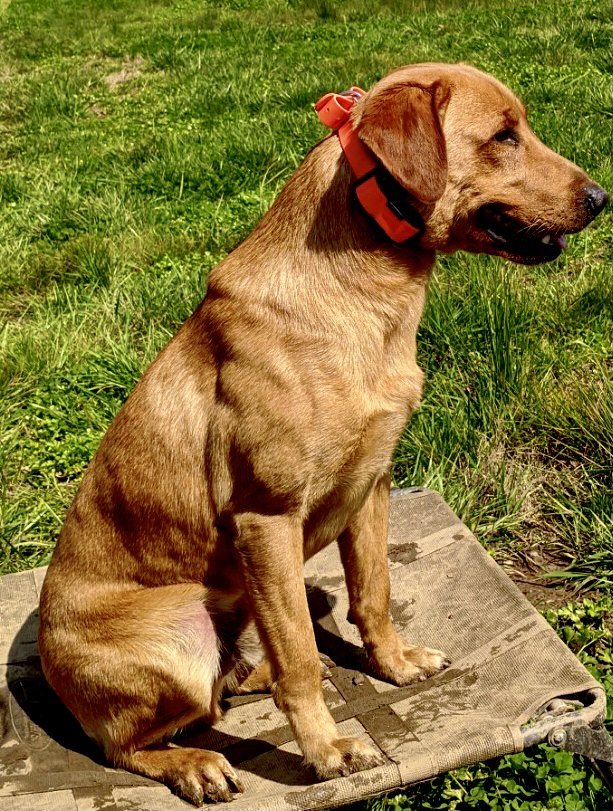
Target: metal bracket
column 575, row 723
column 593, row 743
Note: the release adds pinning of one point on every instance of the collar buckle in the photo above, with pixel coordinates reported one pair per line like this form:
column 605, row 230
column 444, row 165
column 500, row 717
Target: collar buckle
column 334, row 109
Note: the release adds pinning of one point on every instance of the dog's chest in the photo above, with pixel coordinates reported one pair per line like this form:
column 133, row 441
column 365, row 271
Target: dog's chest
column 341, row 483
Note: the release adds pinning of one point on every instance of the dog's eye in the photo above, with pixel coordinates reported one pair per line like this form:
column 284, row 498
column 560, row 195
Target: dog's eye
column 506, row 137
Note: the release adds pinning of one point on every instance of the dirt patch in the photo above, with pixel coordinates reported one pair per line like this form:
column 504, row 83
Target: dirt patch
column 543, row 597
column 542, row 593
column 97, row 110
column 130, row 69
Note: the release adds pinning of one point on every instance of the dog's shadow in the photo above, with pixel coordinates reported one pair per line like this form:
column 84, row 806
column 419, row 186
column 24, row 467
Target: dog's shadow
column 42, row 736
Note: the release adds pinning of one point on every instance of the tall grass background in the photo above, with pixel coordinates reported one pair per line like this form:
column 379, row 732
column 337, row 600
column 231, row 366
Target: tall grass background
column 139, row 142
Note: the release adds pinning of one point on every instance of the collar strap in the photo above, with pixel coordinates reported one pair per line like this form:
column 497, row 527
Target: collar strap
column 379, row 195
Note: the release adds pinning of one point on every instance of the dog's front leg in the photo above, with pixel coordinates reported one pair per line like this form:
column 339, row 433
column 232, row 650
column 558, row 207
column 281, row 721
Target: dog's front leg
column 363, row 547
column 271, row 553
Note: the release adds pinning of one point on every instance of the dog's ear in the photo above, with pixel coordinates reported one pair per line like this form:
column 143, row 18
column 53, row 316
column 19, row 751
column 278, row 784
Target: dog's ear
column 401, row 125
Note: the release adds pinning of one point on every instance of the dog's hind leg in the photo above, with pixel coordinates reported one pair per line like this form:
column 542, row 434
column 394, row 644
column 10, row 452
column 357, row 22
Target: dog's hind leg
column 135, row 667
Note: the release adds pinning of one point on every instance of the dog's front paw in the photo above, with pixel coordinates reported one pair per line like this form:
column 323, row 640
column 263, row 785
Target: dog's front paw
column 345, row 756
column 409, row 663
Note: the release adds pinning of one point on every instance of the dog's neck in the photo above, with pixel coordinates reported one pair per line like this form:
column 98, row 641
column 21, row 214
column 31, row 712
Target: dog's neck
column 314, row 252
column 317, row 207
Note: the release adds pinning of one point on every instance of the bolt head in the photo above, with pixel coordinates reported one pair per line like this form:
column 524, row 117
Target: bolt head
column 557, row 737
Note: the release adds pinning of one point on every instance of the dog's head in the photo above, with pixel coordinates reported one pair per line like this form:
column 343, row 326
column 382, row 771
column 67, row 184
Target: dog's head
column 459, row 142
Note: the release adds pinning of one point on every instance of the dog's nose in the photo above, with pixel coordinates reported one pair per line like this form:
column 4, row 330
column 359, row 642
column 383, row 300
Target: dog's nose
column 596, row 198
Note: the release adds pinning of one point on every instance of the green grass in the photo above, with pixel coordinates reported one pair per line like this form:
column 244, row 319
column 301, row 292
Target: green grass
column 139, row 142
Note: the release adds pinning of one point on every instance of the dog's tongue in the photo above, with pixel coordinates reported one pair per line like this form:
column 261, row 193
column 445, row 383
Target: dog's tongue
column 560, row 241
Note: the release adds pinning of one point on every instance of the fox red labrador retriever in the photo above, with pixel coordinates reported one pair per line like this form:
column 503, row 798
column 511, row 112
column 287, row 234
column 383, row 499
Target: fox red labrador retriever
column 264, row 431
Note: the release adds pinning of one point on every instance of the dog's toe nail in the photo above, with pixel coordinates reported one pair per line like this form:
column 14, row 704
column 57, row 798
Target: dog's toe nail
column 237, row 786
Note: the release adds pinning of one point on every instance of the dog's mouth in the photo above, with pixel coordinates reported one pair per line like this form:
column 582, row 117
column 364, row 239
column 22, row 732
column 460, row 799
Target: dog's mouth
column 507, row 236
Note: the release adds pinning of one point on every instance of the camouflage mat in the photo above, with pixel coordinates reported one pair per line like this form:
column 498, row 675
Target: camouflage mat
column 508, row 665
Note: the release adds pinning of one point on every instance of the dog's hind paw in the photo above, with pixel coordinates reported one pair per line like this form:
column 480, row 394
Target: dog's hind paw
column 195, row 775
column 207, row 777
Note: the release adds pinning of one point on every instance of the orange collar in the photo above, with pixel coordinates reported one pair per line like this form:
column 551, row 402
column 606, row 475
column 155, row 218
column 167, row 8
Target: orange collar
column 376, row 191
